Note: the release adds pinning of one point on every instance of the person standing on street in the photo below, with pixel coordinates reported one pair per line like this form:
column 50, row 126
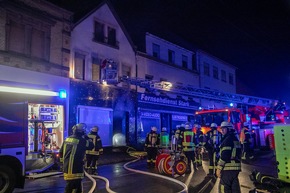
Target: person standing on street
column 213, row 138
column 199, row 144
column 93, row 155
column 164, row 139
column 72, row 153
column 152, row 143
column 229, row 164
column 246, row 140
column 188, row 145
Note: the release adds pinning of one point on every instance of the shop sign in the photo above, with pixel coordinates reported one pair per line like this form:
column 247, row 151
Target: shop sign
column 163, row 100
column 152, row 115
column 179, row 118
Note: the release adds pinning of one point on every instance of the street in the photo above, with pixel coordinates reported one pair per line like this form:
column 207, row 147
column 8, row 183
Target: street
column 143, row 180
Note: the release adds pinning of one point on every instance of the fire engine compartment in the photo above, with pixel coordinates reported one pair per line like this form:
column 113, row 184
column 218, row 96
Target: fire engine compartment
column 45, row 127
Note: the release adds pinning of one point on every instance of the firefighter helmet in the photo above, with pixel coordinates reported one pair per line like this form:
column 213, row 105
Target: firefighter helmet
column 95, row 129
column 226, row 124
column 79, row 129
column 163, row 129
column 154, row 128
column 197, row 126
column 187, row 126
column 213, row 125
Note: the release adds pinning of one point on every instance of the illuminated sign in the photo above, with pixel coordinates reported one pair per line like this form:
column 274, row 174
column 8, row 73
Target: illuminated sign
column 163, row 100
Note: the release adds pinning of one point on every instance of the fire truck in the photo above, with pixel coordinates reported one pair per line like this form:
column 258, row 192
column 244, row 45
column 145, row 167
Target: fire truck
column 261, row 113
column 262, row 120
column 32, row 124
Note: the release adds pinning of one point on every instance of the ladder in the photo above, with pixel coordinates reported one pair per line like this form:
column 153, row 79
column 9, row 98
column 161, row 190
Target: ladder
column 188, row 90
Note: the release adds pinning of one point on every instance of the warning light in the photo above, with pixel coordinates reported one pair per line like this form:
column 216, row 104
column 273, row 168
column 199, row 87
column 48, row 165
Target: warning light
column 62, row 94
column 231, row 104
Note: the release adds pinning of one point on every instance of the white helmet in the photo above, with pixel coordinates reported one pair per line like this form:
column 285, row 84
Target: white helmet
column 187, row 126
column 226, row 124
column 154, row 128
column 163, row 129
column 197, row 126
column 213, row 125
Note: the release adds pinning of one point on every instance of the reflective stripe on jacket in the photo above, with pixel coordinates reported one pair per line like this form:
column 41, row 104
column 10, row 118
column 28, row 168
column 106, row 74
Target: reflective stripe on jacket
column 97, row 143
column 188, row 140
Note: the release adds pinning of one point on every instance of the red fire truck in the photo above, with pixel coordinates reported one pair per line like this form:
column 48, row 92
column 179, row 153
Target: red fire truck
column 261, row 119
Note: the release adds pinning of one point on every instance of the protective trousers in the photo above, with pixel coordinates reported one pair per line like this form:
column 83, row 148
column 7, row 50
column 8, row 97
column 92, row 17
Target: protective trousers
column 212, row 160
column 73, row 186
column 151, row 155
column 229, row 182
column 92, row 162
column 190, row 159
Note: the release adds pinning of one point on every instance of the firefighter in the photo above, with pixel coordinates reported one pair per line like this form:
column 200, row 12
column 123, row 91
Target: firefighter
column 213, row 138
column 229, row 164
column 93, row 155
column 178, row 136
column 188, row 147
column 164, row 139
column 152, row 144
column 199, row 144
column 246, row 140
column 72, row 154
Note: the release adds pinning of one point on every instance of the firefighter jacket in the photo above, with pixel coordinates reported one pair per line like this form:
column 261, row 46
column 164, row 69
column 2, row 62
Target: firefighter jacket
column 152, row 139
column 98, row 149
column 187, row 140
column 213, row 139
column 199, row 139
column 245, row 136
column 72, row 154
column 164, row 140
column 230, row 153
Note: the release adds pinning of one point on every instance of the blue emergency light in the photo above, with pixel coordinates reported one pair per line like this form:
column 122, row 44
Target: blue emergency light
column 62, row 94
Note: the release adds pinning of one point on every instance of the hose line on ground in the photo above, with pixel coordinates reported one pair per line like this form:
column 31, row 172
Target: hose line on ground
column 138, row 155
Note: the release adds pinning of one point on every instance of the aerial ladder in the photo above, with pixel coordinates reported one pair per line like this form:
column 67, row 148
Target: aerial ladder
column 188, row 90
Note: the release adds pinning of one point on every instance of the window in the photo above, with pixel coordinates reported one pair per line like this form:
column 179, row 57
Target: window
column 99, row 34
column 231, row 78
column 215, row 72
column 194, row 66
column 96, row 69
column 156, row 50
column 112, row 36
column 206, row 69
column 184, row 61
column 171, row 56
column 224, row 76
column 79, row 66
column 27, row 38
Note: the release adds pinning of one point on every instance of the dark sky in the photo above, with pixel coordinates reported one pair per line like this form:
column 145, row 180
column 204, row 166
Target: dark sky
column 253, row 35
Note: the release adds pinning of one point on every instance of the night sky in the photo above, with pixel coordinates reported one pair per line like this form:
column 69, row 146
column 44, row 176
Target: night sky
column 253, row 35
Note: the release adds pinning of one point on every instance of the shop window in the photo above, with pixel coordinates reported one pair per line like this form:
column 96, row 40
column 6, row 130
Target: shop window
column 231, row 78
column 27, row 38
column 171, row 56
column 215, row 72
column 184, row 61
column 79, row 66
column 224, row 76
column 206, row 69
column 156, row 51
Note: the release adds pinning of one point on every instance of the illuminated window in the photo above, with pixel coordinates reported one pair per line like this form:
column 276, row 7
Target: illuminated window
column 156, row 50
column 79, row 66
column 96, row 69
column 224, row 76
column 215, row 72
column 206, row 69
column 184, row 61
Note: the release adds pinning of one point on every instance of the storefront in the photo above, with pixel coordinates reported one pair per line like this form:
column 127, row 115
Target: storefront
column 162, row 111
